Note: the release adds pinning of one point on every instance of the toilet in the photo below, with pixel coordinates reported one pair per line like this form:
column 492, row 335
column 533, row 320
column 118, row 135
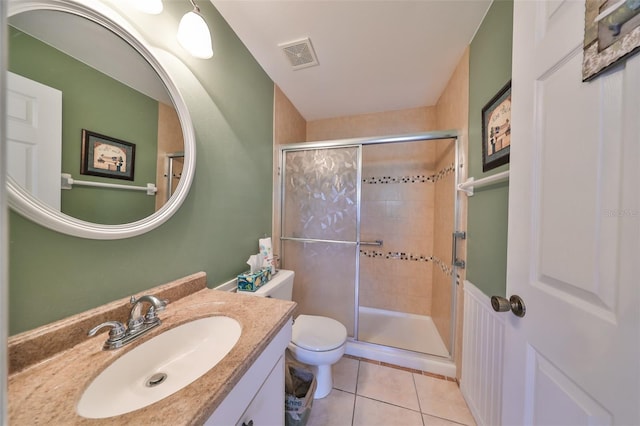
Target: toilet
column 316, row 341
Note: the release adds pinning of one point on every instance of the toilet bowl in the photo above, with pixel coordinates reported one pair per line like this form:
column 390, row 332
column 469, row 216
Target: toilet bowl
column 319, row 342
column 316, row 341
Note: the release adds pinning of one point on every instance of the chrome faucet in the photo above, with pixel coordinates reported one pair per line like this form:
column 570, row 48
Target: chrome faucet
column 138, row 321
column 137, row 325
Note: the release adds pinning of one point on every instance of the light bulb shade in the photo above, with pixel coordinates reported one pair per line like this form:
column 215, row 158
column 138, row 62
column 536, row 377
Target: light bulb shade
column 153, row 7
column 194, row 36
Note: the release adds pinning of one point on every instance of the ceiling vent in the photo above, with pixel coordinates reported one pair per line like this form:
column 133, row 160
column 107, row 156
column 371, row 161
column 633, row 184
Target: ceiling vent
column 300, row 53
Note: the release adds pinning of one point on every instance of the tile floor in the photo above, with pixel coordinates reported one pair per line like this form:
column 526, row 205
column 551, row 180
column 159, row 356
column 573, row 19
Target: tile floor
column 367, row 394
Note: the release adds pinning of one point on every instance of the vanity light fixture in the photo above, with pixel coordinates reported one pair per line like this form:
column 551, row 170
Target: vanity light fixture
column 194, row 35
column 152, row 7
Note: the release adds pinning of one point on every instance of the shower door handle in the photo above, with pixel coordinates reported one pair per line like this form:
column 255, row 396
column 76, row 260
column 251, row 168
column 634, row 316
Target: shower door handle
column 371, row 243
column 454, row 249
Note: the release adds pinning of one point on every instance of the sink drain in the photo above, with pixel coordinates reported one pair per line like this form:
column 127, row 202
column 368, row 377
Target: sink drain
column 156, row 379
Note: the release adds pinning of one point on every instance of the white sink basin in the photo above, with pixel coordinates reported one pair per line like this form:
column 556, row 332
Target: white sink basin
column 159, row 367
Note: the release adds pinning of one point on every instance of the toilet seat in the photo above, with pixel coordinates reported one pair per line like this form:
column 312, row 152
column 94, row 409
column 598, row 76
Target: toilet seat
column 315, row 333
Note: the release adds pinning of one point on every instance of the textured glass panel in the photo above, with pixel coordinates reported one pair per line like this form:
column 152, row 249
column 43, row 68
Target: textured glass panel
column 321, row 194
column 324, row 283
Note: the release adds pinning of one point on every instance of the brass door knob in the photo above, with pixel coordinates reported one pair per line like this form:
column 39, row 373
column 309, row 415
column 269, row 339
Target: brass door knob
column 515, row 304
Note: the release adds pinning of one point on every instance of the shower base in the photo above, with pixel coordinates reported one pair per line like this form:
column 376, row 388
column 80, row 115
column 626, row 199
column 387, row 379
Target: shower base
column 411, row 332
column 406, row 340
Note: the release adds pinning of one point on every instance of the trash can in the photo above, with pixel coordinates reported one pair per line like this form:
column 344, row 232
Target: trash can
column 299, row 386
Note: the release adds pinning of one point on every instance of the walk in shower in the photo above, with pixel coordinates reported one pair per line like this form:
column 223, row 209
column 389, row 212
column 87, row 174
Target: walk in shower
column 368, row 227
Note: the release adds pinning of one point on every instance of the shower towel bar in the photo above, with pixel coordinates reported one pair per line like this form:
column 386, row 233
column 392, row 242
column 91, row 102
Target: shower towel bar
column 315, row 240
column 68, row 182
column 468, row 186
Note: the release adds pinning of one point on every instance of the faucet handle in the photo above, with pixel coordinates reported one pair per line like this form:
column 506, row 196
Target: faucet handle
column 151, row 317
column 117, row 329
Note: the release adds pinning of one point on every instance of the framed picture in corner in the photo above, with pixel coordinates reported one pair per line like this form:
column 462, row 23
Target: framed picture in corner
column 496, row 129
column 106, row 156
column 611, row 35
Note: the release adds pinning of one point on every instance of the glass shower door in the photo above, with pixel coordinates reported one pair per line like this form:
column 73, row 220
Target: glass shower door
column 320, row 228
column 406, row 221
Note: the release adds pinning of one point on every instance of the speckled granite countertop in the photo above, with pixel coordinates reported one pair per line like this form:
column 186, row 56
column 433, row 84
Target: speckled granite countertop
column 51, row 366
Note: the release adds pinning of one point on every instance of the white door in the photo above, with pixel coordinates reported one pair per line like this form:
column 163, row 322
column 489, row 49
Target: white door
column 574, row 221
column 34, row 137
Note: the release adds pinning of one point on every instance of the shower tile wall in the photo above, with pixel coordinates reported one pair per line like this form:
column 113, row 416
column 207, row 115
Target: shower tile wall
column 170, row 140
column 444, row 218
column 402, row 215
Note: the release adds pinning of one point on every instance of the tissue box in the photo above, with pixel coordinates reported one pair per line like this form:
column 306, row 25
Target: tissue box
column 251, row 282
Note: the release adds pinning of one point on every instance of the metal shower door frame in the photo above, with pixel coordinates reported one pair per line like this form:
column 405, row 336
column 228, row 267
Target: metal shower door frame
column 359, row 143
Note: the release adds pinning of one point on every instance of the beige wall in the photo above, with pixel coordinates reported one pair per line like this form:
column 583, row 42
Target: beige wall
column 289, row 126
column 412, row 120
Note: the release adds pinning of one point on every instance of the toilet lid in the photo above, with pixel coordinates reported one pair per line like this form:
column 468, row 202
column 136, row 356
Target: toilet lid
column 316, row 333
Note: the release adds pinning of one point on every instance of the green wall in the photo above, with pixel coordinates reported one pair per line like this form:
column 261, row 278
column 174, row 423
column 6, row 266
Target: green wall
column 94, row 101
column 230, row 99
column 489, row 71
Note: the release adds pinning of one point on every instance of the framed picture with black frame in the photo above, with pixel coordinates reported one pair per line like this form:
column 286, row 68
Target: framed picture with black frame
column 496, row 129
column 106, row 156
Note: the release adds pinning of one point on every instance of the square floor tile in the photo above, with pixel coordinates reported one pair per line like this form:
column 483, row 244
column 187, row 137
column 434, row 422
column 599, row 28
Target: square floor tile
column 443, row 399
column 388, row 385
column 437, row 421
column 369, row 412
column 345, row 374
column 334, row 410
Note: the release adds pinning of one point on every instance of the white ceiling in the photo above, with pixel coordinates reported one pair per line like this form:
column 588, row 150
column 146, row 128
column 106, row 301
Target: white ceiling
column 95, row 46
column 374, row 55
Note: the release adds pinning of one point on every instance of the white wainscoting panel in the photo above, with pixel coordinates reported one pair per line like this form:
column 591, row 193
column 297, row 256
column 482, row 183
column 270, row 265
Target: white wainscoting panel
column 483, row 341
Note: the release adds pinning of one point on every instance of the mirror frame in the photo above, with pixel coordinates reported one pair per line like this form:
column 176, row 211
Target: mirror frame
column 28, row 206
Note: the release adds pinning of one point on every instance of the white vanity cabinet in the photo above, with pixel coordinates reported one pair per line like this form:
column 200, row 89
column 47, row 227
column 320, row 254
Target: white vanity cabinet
column 267, row 407
column 259, row 395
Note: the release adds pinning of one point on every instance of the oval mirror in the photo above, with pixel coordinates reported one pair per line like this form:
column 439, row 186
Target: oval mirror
column 100, row 141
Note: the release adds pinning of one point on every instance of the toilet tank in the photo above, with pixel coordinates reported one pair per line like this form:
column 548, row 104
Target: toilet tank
column 279, row 287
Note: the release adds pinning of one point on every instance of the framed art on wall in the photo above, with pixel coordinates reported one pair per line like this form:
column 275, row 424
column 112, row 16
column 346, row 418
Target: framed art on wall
column 611, row 34
column 496, row 129
column 106, row 156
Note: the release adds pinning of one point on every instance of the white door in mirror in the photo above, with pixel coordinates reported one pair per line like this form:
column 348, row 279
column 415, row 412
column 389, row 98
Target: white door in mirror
column 34, row 136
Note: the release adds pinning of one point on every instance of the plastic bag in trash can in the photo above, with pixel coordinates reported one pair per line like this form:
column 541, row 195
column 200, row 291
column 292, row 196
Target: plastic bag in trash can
column 300, row 385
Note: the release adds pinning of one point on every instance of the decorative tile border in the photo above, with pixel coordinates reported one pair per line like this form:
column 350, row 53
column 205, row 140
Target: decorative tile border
column 396, row 255
column 411, row 179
